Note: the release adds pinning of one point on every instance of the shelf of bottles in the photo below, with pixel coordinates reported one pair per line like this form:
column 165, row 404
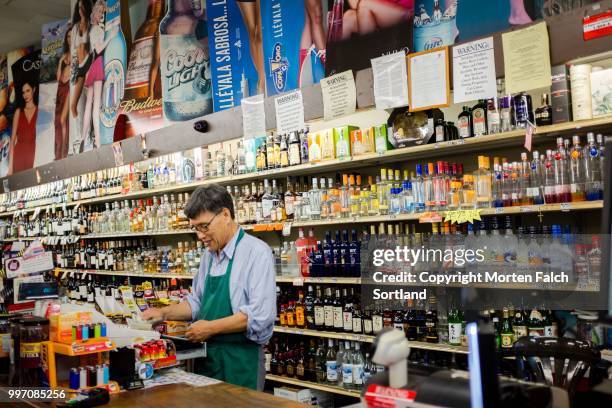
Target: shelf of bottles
column 124, row 273
column 421, row 345
column 313, row 385
column 134, row 182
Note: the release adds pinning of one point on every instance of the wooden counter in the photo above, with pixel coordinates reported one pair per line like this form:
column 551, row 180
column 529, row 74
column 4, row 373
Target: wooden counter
column 221, row 395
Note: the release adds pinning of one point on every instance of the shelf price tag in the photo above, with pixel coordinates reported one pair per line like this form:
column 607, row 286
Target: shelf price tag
column 298, row 281
column 286, row 229
column 499, row 210
column 565, row 207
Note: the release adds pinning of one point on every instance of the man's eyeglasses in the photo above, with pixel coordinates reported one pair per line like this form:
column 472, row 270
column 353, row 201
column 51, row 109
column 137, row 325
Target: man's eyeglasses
column 203, row 228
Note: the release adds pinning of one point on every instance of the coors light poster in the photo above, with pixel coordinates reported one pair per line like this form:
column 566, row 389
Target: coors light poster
column 361, row 30
column 52, row 124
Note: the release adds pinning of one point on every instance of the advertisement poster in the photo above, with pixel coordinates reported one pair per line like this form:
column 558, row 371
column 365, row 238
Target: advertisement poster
column 52, row 123
column 361, row 30
column 185, row 61
column 7, row 104
column 5, row 115
column 97, row 74
column 294, row 43
column 23, row 130
column 110, row 52
column 142, row 101
column 445, row 22
column 237, row 60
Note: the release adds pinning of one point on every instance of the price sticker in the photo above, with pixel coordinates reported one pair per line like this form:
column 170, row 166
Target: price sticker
column 381, row 153
column 526, row 209
column 499, row 210
column 286, row 229
column 392, row 216
column 334, row 280
column 298, row 281
column 565, row 207
column 437, row 145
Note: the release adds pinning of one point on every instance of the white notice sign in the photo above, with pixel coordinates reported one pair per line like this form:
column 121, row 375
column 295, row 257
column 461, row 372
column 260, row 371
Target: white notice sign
column 428, row 80
column 390, row 80
column 253, row 117
column 474, row 71
column 339, row 95
column 289, row 112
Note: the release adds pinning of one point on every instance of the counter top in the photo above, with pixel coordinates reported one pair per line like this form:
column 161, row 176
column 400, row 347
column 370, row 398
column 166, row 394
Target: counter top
column 222, row 395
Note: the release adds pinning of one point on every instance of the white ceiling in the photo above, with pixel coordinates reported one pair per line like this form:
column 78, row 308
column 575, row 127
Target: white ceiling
column 21, row 21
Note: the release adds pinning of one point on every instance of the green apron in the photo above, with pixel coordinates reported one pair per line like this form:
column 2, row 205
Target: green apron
column 229, row 357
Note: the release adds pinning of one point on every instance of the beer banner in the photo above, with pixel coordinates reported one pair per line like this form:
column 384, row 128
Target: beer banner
column 237, row 62
column 52, row 124
column 294, row 44
column 439, row 23
column 142, row 101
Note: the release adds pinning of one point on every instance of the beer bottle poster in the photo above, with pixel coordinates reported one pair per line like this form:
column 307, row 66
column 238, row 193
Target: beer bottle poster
column 446, row 22
column 109, row 63
column 52, row 123
column 142, row 100
column 294, row 43
column 237, row 60
column 185, row 61
column 23, row 130
column 361, row 30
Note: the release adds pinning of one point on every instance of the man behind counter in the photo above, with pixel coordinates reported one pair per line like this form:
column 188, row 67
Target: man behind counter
column 233, row 300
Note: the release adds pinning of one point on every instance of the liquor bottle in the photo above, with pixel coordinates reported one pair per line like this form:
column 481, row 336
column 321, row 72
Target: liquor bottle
column 506, row 332
column 428, row 187
column 294, row 149
column 143, row 81
column 536, row 179
column 523, row 109
column 383, row 189
column 536, row 324
column 347, row 366
column 562, row 179
column 454, row 327
column 300, row 315
column 543, row 114
column 359, row 364
column 338, row 311
column 440, row 134
column 303, row 134
column 440, row 186
column 464, row 123
column 328, row 309
column 577, row 180
column 377, row 321
column 185, row 65
column 319, row 311
column 290, row 314
column 347, row 312
column 331, row 363
column 493, row 116
column 592, row 167
column 310, row 309
column 115, row 63
column 315, row 197
column 479, row 118
column 519, row 325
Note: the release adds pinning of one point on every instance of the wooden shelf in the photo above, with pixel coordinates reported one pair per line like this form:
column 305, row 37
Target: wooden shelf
column 125, row 273
column 313, row 385
column 299, row 281
column 369, row 339
column 427, row 151
column 530, row 209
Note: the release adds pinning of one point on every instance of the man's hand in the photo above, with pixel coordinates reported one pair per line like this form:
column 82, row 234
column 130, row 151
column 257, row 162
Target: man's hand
column 201, row 331
column 153, row 314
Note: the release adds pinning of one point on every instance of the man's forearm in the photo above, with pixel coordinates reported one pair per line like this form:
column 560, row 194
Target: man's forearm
column 235, row 323
column 181, row 311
